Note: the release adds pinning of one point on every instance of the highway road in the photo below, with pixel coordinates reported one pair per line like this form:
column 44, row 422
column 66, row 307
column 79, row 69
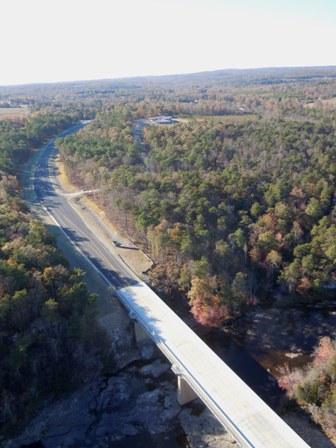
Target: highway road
column 251, row 422
column 56, row 203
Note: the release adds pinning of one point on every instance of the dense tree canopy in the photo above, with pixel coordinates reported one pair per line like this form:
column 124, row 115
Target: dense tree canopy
column 45, row 308
column 252, row 196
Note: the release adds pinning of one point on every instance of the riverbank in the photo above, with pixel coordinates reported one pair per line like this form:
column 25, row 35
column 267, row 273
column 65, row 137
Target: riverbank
column 135, row 407
column 274, row 336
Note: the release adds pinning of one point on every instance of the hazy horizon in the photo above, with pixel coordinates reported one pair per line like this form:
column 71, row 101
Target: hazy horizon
column 69, row 81
column 47, row 42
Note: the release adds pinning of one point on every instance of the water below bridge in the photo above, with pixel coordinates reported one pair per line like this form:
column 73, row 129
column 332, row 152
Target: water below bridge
column 268, row 338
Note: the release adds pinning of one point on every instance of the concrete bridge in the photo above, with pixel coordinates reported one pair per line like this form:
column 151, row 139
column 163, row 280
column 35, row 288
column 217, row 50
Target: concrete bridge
column 201, row 373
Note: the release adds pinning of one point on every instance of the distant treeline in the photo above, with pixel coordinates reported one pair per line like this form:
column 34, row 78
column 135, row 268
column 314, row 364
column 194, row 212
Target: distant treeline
column 223, row 90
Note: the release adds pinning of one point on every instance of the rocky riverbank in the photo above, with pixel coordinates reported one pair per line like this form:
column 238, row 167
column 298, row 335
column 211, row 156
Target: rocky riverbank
column 135, row 406
column 278, row 335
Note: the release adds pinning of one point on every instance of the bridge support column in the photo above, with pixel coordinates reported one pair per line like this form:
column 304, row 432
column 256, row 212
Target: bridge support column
column 141, row 336
column 185, row 393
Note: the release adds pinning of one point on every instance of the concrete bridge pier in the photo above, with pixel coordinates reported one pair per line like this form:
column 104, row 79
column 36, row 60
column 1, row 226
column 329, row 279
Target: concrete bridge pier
column 185, row 393
column 140, row 334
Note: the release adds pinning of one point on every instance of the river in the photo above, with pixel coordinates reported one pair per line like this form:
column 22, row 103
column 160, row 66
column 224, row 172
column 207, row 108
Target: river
column 275, row 336
column 266, row 339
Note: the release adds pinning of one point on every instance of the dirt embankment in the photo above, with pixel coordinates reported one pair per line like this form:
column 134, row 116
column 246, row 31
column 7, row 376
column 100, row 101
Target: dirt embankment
column 97, row 220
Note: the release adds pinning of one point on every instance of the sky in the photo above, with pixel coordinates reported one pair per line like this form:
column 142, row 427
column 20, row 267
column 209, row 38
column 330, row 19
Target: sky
column 67, row 40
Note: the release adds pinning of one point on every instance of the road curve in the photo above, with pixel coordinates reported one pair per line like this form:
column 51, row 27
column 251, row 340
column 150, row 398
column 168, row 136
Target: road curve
column 251, row 422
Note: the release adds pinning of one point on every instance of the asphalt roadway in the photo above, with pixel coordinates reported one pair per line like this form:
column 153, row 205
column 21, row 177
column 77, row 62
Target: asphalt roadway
column 57, row 205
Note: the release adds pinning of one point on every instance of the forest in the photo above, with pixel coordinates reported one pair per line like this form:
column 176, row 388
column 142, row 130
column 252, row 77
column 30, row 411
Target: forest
column 46, row 311
column 234, row 201
column 233, row 212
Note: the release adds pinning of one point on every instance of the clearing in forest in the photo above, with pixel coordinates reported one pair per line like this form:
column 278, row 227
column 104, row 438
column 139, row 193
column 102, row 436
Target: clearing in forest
column 13, row 112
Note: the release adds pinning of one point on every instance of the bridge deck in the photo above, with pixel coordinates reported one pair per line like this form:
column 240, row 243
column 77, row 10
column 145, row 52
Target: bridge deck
column 251, row 422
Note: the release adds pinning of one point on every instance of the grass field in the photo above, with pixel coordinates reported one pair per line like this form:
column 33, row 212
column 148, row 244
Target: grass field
column 63, row 178
column 322, row 104
column 11, row 113
column 219, row 118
